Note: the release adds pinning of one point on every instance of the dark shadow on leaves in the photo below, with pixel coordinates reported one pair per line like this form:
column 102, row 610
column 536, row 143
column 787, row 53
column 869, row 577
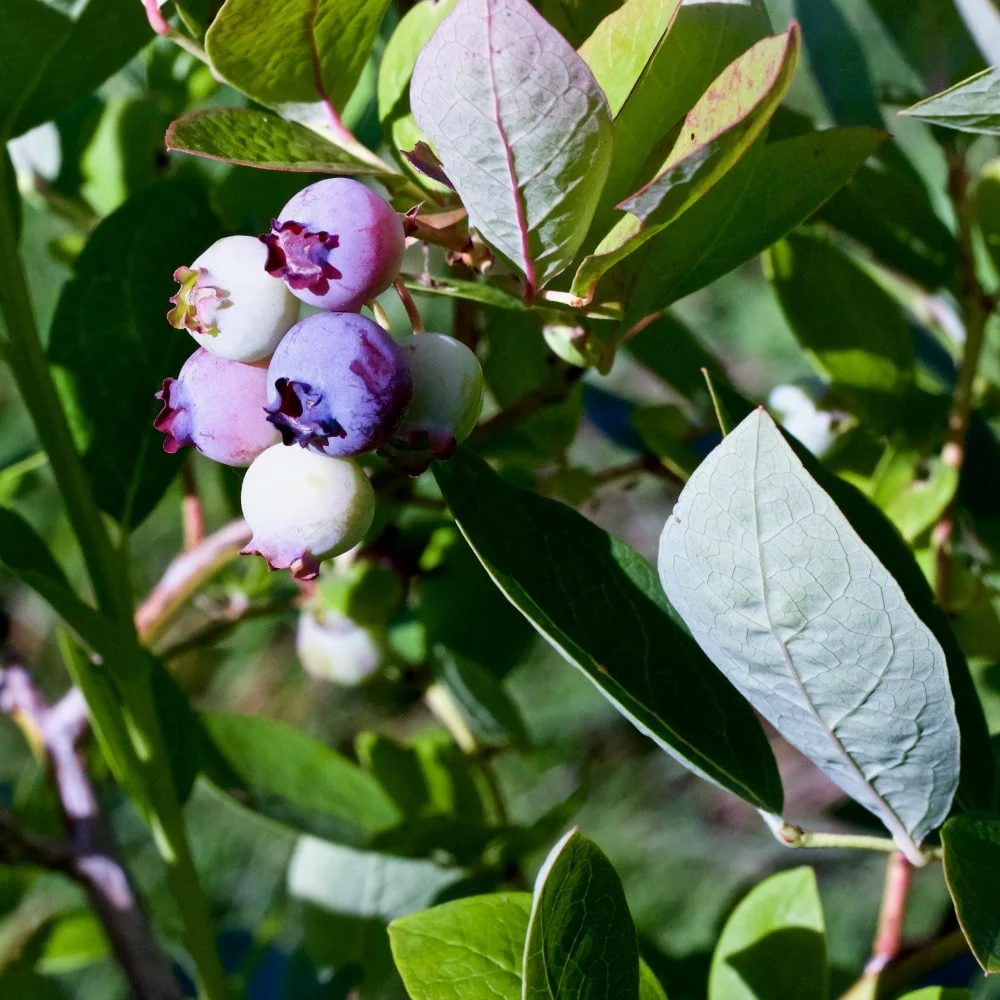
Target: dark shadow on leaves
column 783, row 964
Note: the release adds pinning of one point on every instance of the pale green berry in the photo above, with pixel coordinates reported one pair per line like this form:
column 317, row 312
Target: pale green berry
column 447, row 400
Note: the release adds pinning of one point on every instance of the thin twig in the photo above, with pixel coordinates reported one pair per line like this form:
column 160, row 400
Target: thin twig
column 87, row 855
column 976, row 306
column 644, row 463
column 185, row 575
column 889, row 935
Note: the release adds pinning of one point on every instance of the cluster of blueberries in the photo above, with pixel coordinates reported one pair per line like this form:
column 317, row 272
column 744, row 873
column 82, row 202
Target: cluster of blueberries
column 297, row 400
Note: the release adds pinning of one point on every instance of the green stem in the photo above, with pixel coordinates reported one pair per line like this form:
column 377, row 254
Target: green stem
column 166, row 820
column 24, row 354
column 795, row 836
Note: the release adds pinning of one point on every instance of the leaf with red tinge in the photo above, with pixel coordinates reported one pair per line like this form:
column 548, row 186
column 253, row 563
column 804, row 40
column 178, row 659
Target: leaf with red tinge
column 717, row 132
column 522, row 128
column 424, row 159
column 253, row 138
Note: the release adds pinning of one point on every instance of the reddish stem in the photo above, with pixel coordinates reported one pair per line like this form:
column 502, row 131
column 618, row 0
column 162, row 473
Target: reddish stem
column 192, row 514
column 413, row 314
column 889, row 935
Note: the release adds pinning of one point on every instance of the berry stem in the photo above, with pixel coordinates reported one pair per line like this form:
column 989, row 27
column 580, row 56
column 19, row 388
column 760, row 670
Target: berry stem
column 409, row 305
column 381, row 316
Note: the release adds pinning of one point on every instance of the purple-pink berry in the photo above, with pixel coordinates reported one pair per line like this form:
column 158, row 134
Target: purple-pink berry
column 217, row 406
column 339, row 384
column 336, row 244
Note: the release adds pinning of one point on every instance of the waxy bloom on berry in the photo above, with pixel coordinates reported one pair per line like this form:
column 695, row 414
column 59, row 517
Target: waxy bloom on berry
column 336, row 244
column 303, row 508
column 217, row 406
column 338, row 384
column 334, row 648
column 447, row 400
column 230, row 304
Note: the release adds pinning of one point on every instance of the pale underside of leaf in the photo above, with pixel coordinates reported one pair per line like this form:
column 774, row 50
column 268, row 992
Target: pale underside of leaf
column 521, row 126
column 793, row 607
column 970, row 106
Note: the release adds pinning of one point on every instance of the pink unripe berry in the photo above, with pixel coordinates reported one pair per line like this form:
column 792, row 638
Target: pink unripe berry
column 217, row 406
column 230, row 304
column 303, row 508
column 336, row 244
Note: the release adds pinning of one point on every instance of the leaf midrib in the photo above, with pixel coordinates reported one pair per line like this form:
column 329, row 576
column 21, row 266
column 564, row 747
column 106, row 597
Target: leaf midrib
column 888, row 814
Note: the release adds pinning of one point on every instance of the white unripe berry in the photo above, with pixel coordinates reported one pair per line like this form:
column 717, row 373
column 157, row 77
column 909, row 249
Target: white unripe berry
column 230, row 304
column 303, row 507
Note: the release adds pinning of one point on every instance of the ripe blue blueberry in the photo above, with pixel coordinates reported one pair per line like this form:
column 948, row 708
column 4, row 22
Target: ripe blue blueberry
column 230, row 304
column 303, row 508
column 339, row 384
column 336, row 244
column 218, row 407
column 447, row 400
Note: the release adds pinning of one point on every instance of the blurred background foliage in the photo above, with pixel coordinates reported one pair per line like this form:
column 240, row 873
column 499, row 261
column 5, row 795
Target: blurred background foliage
column 303, row 918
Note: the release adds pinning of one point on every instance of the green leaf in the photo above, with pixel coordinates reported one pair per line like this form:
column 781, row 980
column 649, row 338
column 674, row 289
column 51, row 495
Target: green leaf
column 763, row 197
column 112, row 346
column 853, row 331
column 487, row 708
column 789, row 602
column 581, row 941
column 73, row 942
column 938, row 993
column 462, row 611
column 107, row 717
column 574, row 582
column 703, row 39
column 932, row 38
column 622, row 46
column 274, row 769
column 105, row 688
column 674, row 353
column 341, row 880
column 773, row 947
column 411, row 34
column 914, row 491
column 300, row 52
column 57, row 53
column 253, row 138
column 715, row 134
column 24, row 553
column 988, row 210
column 474, row 291
column 970, row 106
column 469, row 949
column 972, row 870
column 522, row 128
column 649, row 986
column 838, row 63
column 887, row 209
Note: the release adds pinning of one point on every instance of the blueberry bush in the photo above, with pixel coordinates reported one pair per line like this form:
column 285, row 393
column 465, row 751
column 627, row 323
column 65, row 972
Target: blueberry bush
column 368, row 366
